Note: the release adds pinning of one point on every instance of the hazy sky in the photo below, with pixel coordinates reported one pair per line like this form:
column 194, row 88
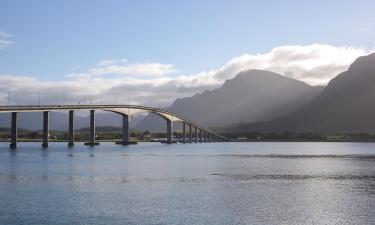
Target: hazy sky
column 156, row 51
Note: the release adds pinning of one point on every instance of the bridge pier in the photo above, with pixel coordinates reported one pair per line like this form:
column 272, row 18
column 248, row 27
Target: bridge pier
column 196, row 135
column 13, row 130
column 205, row 137
column 45, row 129
column 201, row 136
column 71, row 128
column 170, row 139
column 92, row 140
column 190, row 134
column 183, row 132
column 126, row 131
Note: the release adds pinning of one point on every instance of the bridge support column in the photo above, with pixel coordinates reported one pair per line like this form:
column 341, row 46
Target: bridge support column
column 126, row 131
column 201, row 136
column 45, row 129
column 183, row 132
column 196, row 135
column 170, row 138
column 92, row 141
column 205, row 137
column 190, row 134
column 13, row 131
column 71, row 129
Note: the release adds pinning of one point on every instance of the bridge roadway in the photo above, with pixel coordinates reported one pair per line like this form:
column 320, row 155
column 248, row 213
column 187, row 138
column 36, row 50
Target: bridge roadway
column 204, row 135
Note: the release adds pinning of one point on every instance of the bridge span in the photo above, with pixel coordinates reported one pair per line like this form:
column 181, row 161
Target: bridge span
column 191, row 131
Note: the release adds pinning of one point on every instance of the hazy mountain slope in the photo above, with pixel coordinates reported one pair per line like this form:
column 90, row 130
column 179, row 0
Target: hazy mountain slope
column 253, row 95
column 347, row 104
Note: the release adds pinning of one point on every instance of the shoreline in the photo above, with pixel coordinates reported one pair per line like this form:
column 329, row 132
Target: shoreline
column 234, row 141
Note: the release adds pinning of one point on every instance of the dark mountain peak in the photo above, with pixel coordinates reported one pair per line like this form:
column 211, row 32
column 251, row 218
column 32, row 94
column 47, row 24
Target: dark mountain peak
column 363, row 64
column 253, row 74
column 253, row 95
column 254, row 77
column 361, row 74
column 249, row 78
column 346, row 105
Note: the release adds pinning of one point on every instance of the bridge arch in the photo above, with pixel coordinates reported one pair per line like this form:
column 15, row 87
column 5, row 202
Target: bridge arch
column 126, row 123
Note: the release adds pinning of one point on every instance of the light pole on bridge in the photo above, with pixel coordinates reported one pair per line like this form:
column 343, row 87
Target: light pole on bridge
column 8, row 98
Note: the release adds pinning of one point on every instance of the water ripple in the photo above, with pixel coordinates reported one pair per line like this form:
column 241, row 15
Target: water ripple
column 280, row 156
column 295, row 177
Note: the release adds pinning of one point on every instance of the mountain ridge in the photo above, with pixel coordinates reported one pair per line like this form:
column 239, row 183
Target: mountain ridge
column 252, row 95
column 345, row 105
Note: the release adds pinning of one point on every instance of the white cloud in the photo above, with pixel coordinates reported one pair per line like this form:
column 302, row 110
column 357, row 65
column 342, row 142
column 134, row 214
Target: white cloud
column 121, row 68
column 157, row 84
column 139, row 69
column 5, row 35
column 5, row 41
column 5, row 44
column 314, row 64
column 109, row 62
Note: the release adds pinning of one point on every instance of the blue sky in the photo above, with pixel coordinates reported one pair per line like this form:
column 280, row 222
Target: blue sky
column 53, row 38
column 48, row 40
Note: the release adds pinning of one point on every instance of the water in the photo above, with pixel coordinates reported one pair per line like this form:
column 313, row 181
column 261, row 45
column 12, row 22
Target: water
column 217, row 183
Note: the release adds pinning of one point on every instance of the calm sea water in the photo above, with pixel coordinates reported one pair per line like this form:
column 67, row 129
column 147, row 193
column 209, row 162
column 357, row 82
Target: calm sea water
column 216, row 183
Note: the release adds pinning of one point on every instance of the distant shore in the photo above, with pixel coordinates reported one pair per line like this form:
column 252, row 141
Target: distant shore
column 231, row 141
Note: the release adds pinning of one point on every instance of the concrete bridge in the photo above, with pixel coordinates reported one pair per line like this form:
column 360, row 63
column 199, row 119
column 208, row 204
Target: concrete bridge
column 192, row 132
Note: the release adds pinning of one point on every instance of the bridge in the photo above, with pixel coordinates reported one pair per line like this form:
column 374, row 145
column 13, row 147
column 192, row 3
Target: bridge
column 191, row 131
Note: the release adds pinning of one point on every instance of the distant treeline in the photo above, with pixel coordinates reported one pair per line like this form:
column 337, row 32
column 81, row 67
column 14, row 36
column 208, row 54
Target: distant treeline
column 102, row 133
column 115, row 133
column 290, row 136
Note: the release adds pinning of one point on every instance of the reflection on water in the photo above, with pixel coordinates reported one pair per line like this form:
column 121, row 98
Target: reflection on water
column 295, row 177
column 223, row 183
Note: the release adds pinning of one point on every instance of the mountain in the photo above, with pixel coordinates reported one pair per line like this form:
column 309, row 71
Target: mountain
column 346, row 105
column 253, row 95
